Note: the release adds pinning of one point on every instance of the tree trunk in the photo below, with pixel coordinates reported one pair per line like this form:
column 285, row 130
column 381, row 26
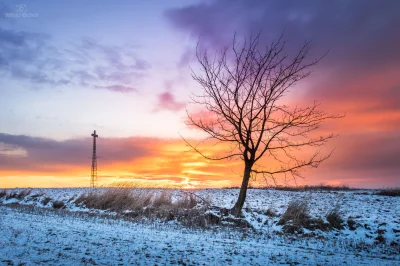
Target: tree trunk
column 237, row 209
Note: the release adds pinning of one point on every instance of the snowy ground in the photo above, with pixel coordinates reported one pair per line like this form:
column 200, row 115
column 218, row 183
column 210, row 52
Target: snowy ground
column 35, row 234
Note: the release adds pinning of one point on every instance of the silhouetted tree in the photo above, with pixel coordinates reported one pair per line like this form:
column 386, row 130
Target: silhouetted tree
column 243, row 93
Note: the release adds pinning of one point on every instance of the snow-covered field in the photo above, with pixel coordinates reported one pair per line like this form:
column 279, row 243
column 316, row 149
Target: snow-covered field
column 35, row 234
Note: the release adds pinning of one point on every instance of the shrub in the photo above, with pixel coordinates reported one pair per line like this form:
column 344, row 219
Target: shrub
column 58, row 205
column 391, row 192
column 3, row 193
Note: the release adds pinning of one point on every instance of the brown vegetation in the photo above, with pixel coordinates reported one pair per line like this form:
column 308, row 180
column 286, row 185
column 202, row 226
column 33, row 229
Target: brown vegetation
column 335, row 219
column 297, row 212
column 18, row 195
column 58, row 205
column 391, row 192
column 46, row 200
column 297, row 217
column 23, row 193
column 37, row 195
column 313, row 188
column 302, row 188
column 149, row 203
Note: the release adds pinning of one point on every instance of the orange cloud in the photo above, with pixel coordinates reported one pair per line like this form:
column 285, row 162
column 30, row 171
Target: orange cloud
column 166, row 161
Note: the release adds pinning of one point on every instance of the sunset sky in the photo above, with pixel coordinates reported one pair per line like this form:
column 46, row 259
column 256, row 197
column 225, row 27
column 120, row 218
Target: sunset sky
column 122, row 68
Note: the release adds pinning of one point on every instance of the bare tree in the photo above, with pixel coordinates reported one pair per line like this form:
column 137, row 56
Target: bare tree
column 243, row 86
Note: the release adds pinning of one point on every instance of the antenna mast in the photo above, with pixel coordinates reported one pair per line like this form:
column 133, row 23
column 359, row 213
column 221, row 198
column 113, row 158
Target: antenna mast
column 93, row 175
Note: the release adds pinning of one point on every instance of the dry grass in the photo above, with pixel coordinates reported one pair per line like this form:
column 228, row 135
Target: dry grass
column 18, row 195
column 334, row 217
column 131, row 196
column 320, row 187
column 297, row 212
column 126, row 199
column 71, row 198
column 352, row 224
column 188, row 201
column 37, row 195
column 58, row 205
column 162, row 204
column 23, row 193
column 297, row 217
column 391, row 192
column 80, row 200
column 46, row 200
column 114, row 199
column 271, row 213
column 313, row 188
column 162, row 199
column 142, row 184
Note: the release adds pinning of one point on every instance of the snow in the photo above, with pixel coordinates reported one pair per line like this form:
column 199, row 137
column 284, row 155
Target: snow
column 33, row 233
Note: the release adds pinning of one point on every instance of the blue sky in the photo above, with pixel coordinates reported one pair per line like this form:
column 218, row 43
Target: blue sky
column 138, row 33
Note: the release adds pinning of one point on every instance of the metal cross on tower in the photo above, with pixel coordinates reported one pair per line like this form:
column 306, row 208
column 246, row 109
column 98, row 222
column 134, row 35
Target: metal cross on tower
column 93, row 176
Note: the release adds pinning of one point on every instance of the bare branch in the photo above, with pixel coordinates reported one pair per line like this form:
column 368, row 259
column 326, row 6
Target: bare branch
column 242, row 90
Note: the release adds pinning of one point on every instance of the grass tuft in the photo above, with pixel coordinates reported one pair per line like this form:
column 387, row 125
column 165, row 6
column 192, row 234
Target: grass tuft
column 23, row 193
column 11, row 195
column 18, row 195
column 352, row 224
column 46, row 200
column 297, row 217
column 37, row 195
column 334, row 217
column 162, row 199
column 80, row 200
column 297, row 212
column 271, row 213
column 58, row 205
column 188, row 201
